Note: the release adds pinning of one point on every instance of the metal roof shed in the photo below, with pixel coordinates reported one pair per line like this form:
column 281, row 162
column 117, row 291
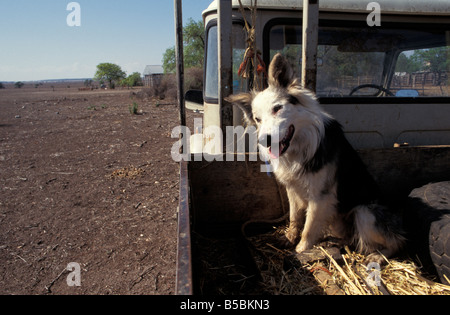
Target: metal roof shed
column 153, row 75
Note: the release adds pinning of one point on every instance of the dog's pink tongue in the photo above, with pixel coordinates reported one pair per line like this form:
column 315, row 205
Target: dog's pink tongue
column 273, row 156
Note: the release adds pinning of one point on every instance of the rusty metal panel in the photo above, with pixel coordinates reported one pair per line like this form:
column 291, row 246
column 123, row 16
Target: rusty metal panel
column 226, row 194
column 184, row 284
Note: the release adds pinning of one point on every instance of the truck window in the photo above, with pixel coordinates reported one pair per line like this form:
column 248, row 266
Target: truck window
column 356, row 60
column 340, row 68
column 211, row 72
column 422, row 72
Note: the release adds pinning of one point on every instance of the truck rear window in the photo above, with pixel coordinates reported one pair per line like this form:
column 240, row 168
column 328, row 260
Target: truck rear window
column 391, row 61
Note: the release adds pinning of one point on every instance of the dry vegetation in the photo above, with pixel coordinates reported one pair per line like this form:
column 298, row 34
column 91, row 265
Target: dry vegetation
column 257, row 265
column 339, row 274
column 167, row 89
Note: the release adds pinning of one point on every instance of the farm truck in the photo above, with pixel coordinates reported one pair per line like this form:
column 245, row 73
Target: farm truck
column 380, row 68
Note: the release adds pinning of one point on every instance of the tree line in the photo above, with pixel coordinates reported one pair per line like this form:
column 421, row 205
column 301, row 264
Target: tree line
column 106, row 73
column 113, row 74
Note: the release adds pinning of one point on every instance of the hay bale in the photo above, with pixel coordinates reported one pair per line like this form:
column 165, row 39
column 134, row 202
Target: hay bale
column 396, row 278
column 283, row 273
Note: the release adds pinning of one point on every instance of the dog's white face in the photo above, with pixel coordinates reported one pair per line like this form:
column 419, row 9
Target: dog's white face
column 273, row 114
column 288, row 118
column 285, row 126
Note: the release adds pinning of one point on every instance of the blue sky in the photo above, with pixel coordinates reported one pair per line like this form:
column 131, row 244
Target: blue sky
column 37, row 44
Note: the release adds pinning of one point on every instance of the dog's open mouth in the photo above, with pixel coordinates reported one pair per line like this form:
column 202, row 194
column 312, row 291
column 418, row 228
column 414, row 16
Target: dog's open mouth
column 283, row 144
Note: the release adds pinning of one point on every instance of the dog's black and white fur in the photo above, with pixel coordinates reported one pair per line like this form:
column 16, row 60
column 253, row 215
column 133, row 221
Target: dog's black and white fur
column 328, row 186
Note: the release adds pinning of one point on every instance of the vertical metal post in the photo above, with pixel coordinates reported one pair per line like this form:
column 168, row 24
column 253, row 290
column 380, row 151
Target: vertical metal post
column 225, row 62
column 179, row 55
column 184, row 260
column 310, row 41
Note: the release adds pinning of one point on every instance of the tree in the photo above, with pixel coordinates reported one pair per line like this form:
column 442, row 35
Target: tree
column 403, row 64
column 19, row 85
column 433, row 60
column 194, row 43
column 109, row 72
column 194, row 47
column 169, row 62
column 134, row 79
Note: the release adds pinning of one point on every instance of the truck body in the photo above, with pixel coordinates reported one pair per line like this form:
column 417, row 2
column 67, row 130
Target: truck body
column 381, row 71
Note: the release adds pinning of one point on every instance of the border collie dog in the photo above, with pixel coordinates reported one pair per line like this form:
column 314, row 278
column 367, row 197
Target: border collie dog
column 328, row 186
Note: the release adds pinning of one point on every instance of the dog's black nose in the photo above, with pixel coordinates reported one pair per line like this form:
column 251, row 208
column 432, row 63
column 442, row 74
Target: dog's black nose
column 265, row 140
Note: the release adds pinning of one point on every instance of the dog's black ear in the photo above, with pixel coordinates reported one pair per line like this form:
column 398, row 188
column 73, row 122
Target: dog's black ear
column 244, row 102
column 280, row 72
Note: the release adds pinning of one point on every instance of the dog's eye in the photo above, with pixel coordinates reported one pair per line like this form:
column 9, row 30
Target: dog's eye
column 258, row 120
column 277, row 108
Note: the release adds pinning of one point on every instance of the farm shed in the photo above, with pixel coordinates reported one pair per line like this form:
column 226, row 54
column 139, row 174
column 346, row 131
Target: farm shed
column 153, row 75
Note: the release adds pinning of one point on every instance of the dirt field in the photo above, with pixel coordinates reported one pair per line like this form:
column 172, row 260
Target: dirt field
column 82, row 180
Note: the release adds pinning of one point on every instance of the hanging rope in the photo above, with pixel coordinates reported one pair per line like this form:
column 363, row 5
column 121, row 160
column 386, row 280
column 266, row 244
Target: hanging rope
column 250, row 62
column 251, row 59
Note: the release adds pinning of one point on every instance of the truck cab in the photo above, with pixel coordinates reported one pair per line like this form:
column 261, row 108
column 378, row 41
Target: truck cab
column 386, row 84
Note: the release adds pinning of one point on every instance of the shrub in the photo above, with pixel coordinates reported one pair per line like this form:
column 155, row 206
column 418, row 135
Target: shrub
column 193, row 79
column 134, row 108
column 167, row 88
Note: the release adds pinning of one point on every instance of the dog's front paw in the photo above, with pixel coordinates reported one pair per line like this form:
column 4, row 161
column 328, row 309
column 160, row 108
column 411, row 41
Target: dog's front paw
column 290, row 238
column 303, row 245
column 375, row 258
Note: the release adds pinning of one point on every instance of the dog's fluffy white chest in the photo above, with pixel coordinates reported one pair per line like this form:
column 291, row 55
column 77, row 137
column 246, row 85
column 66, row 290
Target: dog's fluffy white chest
column 309, row 185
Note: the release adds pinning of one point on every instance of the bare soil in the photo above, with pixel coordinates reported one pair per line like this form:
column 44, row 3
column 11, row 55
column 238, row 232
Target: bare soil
column 82, row 180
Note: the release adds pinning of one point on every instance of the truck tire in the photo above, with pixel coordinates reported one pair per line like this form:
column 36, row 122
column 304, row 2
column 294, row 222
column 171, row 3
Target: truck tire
column 430, row 206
